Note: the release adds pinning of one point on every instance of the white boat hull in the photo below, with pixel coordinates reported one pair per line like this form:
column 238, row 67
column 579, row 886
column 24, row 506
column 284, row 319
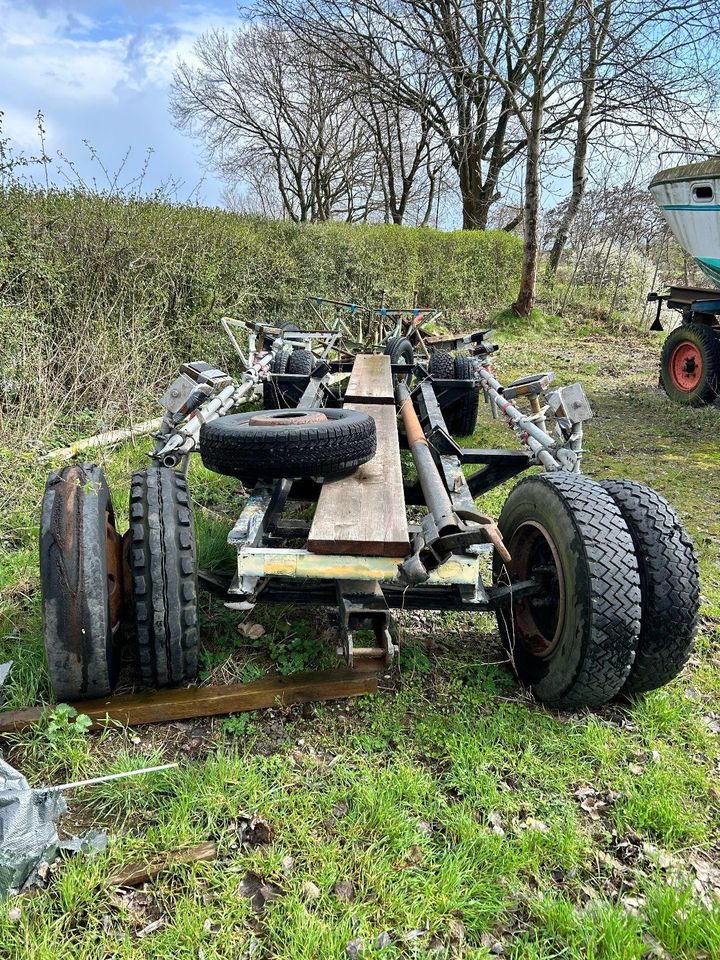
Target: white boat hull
column 689, row 198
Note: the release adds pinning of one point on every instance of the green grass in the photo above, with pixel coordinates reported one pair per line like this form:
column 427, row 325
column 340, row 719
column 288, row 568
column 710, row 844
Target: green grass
column 450, row 802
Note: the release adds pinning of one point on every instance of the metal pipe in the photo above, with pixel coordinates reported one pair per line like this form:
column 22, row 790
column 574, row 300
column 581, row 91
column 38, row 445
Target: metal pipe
column 540, row 442
column 433, row 488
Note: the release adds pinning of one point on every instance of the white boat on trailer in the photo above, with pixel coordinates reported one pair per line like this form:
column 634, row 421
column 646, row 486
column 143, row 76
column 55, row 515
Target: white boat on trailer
column 689, row 198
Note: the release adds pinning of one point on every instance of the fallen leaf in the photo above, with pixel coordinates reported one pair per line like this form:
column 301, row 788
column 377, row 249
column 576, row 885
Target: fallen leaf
column 538, row 825
column 258, row 890
column 636, row 769
column 151, row 928
column 497, row 823
column 310, row 890
column 253, row 631
column 253, row 831
column 354, row 948
column 345, row 891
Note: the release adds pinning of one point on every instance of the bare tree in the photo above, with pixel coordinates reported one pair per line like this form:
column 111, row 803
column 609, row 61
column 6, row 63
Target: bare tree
column 646, row 71
column 429, row 57
column 261, row 104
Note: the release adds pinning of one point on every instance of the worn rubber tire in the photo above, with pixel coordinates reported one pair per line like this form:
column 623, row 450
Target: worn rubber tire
column 460, row 415
column 669, row 584
column 81, row 648
column 599, row 633
column 272, row 392
column 287, row 326
column 707, row 340
column 162, row 559
column 231, row 446
column 400, row 350
column 300, row 362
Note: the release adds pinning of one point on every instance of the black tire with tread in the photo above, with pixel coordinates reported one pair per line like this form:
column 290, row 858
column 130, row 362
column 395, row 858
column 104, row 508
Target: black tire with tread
column 81, row 650
column 162, row 560
column 460, row 414
column 400, row 350
column 300, row 362
column 669, row 583
column 597, row 646
column 231, row 446
column 707, row 340
column 272, row 392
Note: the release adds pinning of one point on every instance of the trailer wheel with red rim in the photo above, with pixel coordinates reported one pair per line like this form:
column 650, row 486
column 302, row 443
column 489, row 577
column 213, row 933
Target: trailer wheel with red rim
column 690, row 364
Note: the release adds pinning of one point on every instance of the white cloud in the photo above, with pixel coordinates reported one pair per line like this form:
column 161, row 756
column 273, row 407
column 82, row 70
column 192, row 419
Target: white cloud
column 101, row 74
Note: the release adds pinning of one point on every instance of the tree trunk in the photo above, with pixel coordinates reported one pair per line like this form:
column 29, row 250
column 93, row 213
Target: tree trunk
column 531, row 215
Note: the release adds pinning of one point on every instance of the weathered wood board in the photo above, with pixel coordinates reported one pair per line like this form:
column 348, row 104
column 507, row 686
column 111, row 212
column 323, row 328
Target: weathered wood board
column 162, row 706
column 364, row 513
column 370, row 380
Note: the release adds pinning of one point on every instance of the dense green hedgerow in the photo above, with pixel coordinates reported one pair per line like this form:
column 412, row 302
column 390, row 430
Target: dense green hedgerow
column 100, row 298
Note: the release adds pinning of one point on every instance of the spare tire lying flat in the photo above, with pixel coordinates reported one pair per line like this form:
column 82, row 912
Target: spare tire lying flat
column 295, row 443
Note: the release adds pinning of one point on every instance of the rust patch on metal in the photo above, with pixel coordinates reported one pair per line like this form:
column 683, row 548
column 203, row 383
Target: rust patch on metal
column 286, row 419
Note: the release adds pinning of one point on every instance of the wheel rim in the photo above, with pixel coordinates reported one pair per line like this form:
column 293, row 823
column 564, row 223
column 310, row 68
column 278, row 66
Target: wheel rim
column 115, row 579
column 289, row 419
column 686, row 366
column 539, row 620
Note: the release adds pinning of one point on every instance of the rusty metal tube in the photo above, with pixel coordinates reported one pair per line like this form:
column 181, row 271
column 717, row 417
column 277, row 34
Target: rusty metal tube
column 436, row 496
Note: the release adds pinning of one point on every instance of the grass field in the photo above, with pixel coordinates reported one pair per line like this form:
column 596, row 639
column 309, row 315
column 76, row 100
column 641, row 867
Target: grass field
column 448, row 816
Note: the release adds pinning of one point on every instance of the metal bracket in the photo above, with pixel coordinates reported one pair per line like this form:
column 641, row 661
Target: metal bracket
column 364, row 608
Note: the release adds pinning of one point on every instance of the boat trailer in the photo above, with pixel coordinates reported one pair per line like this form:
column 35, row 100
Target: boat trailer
column 362, row 483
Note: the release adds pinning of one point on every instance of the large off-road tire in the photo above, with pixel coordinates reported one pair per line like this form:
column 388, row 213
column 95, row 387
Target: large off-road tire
column 574, row 643
column 297, row 443
column 669, row 584
column 460, row 414
column 690, row 364
column 162, row 560
column 81, row 575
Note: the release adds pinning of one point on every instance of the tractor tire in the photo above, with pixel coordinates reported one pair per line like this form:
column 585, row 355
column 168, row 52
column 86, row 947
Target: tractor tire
column 318, row 442
column 460, row 415
column 400, row 350
column 669, row 585
column 81, row 575
column 272, row 393
column 574, row 644
column 690, row 364
column 162, row 559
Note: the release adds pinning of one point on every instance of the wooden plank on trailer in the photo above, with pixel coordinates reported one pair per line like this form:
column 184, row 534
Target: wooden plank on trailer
column 364, row 514
column 370, row 380
column 162, row 706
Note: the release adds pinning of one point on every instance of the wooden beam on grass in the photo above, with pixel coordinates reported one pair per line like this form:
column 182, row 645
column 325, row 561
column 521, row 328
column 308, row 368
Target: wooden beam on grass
column 163, row 706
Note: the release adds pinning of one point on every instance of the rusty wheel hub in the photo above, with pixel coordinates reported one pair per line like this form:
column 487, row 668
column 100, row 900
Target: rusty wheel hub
column 538, row 620
column 286, row 419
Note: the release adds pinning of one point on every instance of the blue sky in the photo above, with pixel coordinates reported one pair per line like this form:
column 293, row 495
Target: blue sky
column 101, row 72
